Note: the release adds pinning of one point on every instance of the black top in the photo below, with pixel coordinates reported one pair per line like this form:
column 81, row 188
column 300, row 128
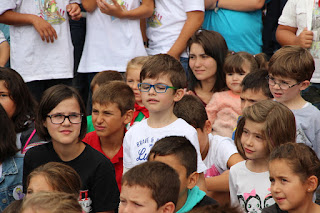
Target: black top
column 273, row 209
column 205, row 201
column 99, row 191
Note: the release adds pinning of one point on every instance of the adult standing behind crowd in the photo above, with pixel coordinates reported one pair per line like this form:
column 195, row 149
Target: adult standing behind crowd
column 239, row 22
column 41, row 47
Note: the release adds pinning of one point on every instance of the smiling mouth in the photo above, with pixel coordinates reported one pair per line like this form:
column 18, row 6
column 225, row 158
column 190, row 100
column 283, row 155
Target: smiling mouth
column 248, row 151
column 152, row 101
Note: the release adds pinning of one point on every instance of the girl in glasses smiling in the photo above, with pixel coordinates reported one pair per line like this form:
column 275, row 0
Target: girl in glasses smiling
column 60, row 121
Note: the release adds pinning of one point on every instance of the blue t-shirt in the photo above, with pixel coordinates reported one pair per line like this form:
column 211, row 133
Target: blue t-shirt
column 241, row 30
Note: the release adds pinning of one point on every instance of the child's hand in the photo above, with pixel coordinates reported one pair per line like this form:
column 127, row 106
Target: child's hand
column 112, row 10
column 305, row 38
column 74, row 11
column 46, row 31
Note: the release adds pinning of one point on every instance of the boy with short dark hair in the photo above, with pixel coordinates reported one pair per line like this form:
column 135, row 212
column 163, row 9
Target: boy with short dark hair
column 290, row 71
column 180, row 154
column 151, row 187
column 254, row 88
column 99, row 79
column 112, row 110
column 162, row 81
column 218, row 153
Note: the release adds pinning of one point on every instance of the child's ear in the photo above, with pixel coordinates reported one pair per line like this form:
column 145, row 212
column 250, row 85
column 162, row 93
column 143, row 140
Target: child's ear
column 207, row 127
column 304, row 84
column 178, row 95
column 167, row 208
column 128, row 116
column 45, row 124
column 312, row 183
column 193, row 180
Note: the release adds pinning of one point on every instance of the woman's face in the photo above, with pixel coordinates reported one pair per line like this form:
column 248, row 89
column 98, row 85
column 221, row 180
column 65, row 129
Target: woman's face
column 203, row 66
column 66, row 133
column 5, row 100
column 38, row 183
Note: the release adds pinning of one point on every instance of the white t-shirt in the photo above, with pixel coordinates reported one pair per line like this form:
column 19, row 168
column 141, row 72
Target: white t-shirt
column 140, row 138
column 166, row 23
column 33, row 58
column 2, row 38
column 220, row 150
column 298, row 14
column 249, row 189
column 111, row 42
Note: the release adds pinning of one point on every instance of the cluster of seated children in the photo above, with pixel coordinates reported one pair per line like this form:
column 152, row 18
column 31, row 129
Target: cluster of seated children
column 239, row 132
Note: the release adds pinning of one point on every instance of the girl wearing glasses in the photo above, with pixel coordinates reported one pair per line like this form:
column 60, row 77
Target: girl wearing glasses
column 59, row 120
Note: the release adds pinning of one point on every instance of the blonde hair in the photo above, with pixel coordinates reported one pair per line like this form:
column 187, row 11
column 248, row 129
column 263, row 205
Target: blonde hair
column 53, row 202
column 279, row 124
column 140, row 60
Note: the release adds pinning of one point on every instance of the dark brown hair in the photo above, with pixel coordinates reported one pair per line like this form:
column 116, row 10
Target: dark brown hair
column 21, row 96
column 104, row 77
column 60, row 177
column 215, row 208
column 191, row 109
column 214, row 46
column 292, row 62
column 50, row 99
column 179, row 146
column 257, row 81
column 279, row 124
column 164, row 65
column 8, row 146
column 234, row 62
column 117, row 92
column 301, row 159
column 161, row 179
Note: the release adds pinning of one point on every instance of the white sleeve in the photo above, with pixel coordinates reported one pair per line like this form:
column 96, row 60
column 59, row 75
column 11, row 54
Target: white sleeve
column 127, row 161
column 193, row 5
column 289, row 16
column 201, row 167
column 8, row 5
column 225, row 149
column 232, row 188
column 2, row 38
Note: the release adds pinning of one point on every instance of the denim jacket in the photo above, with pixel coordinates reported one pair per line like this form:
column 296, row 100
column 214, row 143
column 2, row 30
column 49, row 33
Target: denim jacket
column 11, row 181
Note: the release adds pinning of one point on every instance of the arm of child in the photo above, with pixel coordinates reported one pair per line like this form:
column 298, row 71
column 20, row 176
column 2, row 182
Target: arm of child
column 218, row 183
column 4, row 53
column 145, row 10
column 74, row 11
column 192, row 24
column 89, row 5
column 46, row 31
column 234, row 159
column 245, row 5
column 286, row 35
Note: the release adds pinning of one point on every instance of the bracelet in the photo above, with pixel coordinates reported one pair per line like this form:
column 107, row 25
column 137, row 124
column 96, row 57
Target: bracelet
column 217, row 7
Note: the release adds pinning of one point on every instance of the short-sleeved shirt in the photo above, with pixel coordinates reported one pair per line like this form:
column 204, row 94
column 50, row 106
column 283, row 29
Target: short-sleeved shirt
column 93, row 140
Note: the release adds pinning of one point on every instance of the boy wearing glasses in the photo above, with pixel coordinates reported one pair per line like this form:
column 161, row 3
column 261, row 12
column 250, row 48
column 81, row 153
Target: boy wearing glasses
column 290, row 71
column 162, row 81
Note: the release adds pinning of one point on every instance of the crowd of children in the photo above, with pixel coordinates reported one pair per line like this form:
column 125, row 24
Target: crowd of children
column 205, row 123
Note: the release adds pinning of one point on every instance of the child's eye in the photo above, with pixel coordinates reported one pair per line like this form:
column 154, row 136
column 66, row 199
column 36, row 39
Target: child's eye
column 204, row 56
column 3, row 95
column 191, row 57
column 283, row 82
column 229, row 74
column 160, row 87
column 283, row 180
column 129, row 81
column 137, row 204
column 271, row 179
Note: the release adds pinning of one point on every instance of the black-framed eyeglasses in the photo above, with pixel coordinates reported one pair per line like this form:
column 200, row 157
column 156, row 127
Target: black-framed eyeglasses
column 75, row 118
column 159, row 88
column 282, row 85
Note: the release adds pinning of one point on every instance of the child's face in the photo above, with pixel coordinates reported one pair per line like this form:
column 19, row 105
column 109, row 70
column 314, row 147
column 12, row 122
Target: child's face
column 174, row 162
column 253, row 140
column 5, row 100
column 107, row 119
column 38, row 183
column 133, row 79
column 234, row 80
column 160, row 102
column 250, row 97
column 284, row 95
column 203, row 66
column 137, row 199
column 287, row 189
column 66, row 133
